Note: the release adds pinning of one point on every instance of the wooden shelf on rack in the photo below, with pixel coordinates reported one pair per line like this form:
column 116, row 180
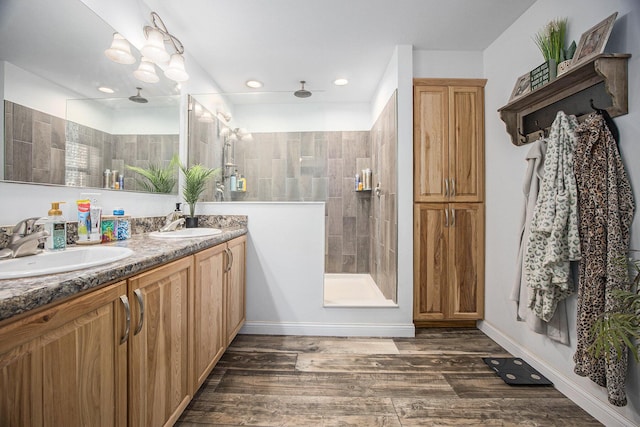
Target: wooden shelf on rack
column 602, row 79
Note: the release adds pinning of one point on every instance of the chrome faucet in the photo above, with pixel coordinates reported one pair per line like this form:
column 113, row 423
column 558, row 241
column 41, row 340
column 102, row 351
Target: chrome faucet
column 24, row 240
column 219, row 191
column 172, row 222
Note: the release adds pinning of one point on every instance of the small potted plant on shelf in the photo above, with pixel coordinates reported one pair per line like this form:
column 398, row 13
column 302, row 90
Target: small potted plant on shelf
column 195, row 180
column 550, row 41
column 157, row 178
column 620, row 329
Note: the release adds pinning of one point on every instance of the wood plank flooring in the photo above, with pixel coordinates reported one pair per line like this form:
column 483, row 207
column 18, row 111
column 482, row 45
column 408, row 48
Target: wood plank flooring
column 437, row 378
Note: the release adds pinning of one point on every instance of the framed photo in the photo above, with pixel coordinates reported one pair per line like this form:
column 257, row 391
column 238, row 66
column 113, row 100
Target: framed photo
column 522, row 87
column 594, row 40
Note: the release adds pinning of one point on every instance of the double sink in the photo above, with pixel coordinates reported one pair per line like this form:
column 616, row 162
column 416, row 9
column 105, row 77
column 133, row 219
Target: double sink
column 80, row 257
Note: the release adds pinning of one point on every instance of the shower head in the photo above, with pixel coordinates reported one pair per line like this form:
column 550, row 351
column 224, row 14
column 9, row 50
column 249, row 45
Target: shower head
column 302, row 92
column 138, row 98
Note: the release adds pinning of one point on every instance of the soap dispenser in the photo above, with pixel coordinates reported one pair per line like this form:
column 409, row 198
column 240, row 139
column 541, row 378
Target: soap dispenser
column 57, row 228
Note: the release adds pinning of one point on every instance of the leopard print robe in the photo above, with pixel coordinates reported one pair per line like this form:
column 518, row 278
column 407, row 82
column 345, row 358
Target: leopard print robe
column 606, row 210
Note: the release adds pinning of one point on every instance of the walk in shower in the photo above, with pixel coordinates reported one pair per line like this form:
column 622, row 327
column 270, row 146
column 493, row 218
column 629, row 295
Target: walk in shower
column 285, row 154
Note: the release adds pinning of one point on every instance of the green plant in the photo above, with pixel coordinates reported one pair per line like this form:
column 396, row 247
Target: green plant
column 195, row 180
column 550, row 39
column 619, row 329
column 156, row 178
column 569, row 52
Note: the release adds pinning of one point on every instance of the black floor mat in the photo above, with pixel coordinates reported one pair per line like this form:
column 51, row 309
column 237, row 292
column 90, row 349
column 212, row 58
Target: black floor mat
column 515, row 371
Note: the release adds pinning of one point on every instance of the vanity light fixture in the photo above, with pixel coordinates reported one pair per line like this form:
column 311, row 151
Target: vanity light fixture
column 120, row 50
column 340, row 82
column 157, row 36
column 146, row 71
column 254, row 84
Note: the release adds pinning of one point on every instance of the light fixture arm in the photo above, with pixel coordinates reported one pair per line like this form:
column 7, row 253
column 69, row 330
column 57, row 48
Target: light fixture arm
column 162, row 28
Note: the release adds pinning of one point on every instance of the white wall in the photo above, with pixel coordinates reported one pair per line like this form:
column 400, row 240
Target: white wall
column 298, row 117
column 21, row 201
column 449, row 64
column 285, row 273
column 510, row 56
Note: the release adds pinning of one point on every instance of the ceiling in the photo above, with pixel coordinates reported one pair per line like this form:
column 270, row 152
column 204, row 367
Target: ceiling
column 278, row 42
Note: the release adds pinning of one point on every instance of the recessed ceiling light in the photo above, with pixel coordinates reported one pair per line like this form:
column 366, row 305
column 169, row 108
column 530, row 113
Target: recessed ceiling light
column 340, row 82
column 254, row 84
column 105, row 89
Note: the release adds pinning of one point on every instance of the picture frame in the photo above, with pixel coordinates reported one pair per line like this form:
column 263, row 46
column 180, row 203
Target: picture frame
column 593, row 41
column 522, row 87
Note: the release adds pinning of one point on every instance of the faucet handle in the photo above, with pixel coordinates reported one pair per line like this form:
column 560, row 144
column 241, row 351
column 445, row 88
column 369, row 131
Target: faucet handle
column 26, row 226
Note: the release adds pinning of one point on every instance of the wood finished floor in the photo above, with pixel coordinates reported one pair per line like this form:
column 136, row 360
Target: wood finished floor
column 437, row 378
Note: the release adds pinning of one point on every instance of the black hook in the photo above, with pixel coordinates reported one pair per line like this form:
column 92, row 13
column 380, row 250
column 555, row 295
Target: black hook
column 593, row 107
column 544, row 131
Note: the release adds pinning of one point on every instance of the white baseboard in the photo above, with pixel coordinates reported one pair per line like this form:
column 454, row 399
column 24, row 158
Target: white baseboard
column 597, row 408
column 330, row 329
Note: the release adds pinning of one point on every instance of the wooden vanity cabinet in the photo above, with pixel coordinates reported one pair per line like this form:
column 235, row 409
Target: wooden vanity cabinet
column 218, row 303
column 131, row 353
column 235, row 287
column 208, row 315
column 67, row 365
column 159, row 375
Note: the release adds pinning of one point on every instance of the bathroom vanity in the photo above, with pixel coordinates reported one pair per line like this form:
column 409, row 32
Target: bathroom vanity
column 128, row 343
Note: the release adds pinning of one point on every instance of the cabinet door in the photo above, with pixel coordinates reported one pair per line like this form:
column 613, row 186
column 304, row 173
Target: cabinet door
column 430, row 261
column 466, row 144
column 430, row 143
column 235, row 293
column 66, row 366
column 208, row 319
column 160, row 381
column 466, row 261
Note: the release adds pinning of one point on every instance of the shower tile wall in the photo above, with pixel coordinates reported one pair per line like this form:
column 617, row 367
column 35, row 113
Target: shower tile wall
column 34, row 145
column 48, row 149
column 315, row 166
column 384, row 223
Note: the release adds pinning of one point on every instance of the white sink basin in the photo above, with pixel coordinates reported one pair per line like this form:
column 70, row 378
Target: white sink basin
column 61, row 262
column 186, row 233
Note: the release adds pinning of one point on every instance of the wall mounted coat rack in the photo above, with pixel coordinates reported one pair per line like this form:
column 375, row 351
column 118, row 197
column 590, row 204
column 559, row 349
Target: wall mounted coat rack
column 600, row 81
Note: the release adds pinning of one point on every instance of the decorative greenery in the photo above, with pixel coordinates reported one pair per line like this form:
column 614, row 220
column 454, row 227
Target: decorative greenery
column 617, row 330
column 550, row 40
column 157, row 179
column 196, row 177
column 569, row 52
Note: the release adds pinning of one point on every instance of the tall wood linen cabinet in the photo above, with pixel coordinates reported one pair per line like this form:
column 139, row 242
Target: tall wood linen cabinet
column 448, row 156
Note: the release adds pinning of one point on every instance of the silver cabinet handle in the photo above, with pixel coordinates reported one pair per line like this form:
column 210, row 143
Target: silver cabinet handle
column 446, row 217
column 231, row 262
column 127, row 311
column 446, row 187
column 140, row 299
column 453, row 187
column 453, row 217
column 228, row 258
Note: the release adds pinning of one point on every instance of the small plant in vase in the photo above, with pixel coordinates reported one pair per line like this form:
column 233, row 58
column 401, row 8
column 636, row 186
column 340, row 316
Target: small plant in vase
column 550, row 41
column 195, row 181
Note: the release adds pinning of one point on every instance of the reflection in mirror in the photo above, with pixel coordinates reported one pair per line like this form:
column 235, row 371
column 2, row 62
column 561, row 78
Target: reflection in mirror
column 63, row 61
column 280, row 150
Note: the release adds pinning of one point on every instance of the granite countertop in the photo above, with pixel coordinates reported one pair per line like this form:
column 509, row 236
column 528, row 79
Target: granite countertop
column 21, row 295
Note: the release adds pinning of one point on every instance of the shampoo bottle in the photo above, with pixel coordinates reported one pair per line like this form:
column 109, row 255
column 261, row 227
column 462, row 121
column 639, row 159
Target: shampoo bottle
column 57, row 228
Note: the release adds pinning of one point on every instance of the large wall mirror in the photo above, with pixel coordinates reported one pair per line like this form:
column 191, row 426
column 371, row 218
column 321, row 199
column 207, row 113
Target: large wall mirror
column 58, row 128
